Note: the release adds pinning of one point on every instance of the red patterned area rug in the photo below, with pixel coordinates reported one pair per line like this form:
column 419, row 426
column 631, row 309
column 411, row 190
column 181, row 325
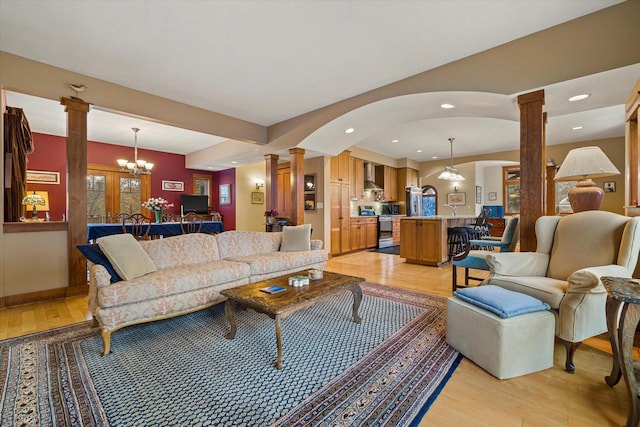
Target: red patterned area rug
column 386, row 371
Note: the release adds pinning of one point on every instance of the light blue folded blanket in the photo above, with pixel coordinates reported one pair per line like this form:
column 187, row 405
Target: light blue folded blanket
column 501, row 301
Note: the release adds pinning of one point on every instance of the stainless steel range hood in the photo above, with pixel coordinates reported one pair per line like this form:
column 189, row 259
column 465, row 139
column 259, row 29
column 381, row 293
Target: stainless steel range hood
column 369, row 176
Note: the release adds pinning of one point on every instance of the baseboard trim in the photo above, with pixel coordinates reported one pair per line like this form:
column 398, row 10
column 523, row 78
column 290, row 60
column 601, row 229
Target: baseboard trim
column 31, row 297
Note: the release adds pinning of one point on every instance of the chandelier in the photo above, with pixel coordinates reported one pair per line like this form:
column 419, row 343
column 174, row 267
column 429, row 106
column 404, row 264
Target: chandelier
column 138, row 166
column 450, row 173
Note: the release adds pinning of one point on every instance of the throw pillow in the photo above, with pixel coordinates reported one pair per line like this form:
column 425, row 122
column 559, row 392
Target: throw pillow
column 126, row 255
column 95, row 255
column 503, row 302
column 296, row 238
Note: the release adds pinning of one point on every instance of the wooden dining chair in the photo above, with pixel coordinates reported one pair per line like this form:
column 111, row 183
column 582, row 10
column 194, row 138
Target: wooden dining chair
column 140, row 226
column 118, row 218
column 215, row 216
column 170, row 217
column 191, row 223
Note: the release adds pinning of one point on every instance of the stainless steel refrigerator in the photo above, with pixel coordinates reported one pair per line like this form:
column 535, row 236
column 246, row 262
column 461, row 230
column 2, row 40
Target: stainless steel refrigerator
column 414, row 201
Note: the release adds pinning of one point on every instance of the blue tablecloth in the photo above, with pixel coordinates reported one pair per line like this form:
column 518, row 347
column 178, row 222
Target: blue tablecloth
column 165, row 229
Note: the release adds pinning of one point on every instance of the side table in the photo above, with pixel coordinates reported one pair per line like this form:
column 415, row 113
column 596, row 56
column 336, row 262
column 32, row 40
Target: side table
column 624, row 292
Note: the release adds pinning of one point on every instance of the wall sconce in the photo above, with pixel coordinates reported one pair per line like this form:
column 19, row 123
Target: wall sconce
column 259, row 185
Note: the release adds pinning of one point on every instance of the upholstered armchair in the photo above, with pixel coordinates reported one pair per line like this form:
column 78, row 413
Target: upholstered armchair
column 572, row 253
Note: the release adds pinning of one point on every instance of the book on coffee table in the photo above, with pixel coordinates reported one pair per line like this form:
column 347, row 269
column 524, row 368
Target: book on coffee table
column 273, row 289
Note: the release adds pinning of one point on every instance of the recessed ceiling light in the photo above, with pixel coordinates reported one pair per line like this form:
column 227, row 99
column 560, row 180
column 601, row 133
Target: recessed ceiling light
column 210, row 168
column 395, row 140
column 234, row 162
column 419, row 151
column 579, row 97
column 447, row 106
column 576, row 127
column 350, row 130
column 434, row 157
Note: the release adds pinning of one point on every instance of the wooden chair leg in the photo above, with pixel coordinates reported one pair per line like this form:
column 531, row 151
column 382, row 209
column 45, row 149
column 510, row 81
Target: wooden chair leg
column 466, row 277
column 571, row 348
column 454, row 278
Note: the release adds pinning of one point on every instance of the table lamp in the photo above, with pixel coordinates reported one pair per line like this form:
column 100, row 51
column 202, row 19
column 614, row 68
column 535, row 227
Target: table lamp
column 582, row 164
column 36, row 200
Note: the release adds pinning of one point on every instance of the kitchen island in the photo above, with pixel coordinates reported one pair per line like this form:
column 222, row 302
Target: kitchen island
column 423, row 239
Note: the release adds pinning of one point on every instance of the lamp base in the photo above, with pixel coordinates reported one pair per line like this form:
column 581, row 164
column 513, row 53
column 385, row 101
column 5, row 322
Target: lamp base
column 586, row 196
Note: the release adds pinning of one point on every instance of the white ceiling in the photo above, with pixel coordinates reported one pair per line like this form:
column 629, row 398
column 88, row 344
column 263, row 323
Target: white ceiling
column 268, row 61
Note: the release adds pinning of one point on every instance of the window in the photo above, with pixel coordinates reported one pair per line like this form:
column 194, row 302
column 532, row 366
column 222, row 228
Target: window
column 511, row 185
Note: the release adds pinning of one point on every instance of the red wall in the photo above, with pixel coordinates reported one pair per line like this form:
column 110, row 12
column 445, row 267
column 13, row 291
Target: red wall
column 50, row 155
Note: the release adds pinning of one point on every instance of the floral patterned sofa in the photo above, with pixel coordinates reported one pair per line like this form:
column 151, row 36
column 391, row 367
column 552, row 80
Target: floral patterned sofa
column 191, row 270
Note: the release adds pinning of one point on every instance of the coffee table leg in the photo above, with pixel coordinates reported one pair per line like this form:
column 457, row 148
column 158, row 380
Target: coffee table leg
column 279, row 341
column 357, row 299
column 230, row 312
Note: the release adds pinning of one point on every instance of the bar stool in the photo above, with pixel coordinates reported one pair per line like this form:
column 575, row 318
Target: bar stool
column 457, row 238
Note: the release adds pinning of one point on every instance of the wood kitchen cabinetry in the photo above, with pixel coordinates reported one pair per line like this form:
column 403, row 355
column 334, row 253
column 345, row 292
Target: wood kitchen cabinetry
column 341, row 168
column 407, row 177
column 423, row 241
column 357, row 185
column 284, row 191
column 340, row 223
column 396, row 230
column 364, row 233
column 387, row 178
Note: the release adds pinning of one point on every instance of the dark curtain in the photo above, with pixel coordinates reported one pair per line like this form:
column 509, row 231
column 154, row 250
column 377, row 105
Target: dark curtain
column 17, row 143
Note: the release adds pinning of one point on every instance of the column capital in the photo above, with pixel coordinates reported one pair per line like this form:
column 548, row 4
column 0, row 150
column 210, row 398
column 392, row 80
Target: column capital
column 75, row 104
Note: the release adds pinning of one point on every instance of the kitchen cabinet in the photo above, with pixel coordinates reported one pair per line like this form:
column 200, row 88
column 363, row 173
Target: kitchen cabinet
column 406, row 177
column 364, row 233
column 396, row 230
column 340, row 221
column 387, row 178
column 423, row 240
column 284, row 192
column 358, row 178
column 340, row 168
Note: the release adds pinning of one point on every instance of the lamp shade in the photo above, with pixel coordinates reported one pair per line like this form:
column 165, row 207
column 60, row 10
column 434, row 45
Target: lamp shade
column 45, row 196
column 585, row 162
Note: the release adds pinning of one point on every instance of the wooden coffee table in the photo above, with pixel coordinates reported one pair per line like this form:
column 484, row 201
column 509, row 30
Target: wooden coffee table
column 282, row 304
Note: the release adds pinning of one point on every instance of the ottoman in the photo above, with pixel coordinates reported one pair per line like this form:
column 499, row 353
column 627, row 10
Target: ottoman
column 504, row 347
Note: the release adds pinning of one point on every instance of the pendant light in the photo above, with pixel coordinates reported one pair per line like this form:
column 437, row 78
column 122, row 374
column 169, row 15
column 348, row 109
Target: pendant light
column 138, row 166
column 450, row 173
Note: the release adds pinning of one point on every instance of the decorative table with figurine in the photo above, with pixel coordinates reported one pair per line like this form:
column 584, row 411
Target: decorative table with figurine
column 277, row 299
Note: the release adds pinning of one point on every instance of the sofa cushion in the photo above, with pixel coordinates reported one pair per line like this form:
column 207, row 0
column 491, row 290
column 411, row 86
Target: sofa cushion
column 296, row 238
column 126, row 255
column 501, row 301
column 546, row 289
column 94, row 254
column 185, row 249
column 173, row 281
column 281, row 261
column 244, row 243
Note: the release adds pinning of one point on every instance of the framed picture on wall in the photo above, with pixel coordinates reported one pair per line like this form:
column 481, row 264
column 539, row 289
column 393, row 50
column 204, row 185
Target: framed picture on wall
column 43, row 177
column 225, row 194
column 478, row 194
column 493, row 196
column 257, row 198
column 457, row 199
column 609, row 186
column 172, row 185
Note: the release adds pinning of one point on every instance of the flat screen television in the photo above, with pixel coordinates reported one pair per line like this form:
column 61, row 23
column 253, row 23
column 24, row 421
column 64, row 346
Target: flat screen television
column 194, row 203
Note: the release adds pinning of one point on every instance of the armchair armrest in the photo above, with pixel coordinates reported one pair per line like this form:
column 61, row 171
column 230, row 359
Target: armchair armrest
column 518, row 263
column 587, row 280
column 494, row 238
column 492, row 243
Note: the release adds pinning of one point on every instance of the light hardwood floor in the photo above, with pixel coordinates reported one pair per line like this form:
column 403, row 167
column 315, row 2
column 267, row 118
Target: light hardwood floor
column 472, row 397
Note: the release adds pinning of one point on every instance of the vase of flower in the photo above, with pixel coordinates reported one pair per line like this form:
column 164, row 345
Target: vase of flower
column 270, row 214
column 157, row 205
